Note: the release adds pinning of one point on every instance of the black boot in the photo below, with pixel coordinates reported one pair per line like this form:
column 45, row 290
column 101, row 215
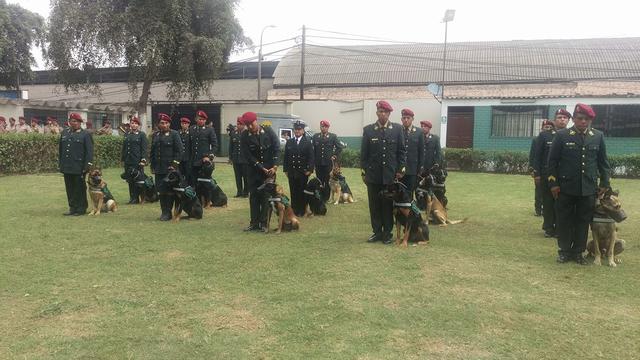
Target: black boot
column 166, row 202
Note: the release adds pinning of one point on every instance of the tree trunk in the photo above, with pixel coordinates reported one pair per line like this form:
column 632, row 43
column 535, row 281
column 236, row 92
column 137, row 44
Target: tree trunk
column 142, row 104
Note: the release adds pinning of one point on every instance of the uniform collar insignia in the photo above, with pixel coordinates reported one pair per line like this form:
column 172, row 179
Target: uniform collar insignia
column 572, row 132
column 261, row 131
column 590, row 133
column 553, row 131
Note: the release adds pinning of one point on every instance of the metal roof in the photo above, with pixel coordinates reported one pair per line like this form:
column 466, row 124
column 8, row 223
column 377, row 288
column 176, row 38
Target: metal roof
column 518, row 61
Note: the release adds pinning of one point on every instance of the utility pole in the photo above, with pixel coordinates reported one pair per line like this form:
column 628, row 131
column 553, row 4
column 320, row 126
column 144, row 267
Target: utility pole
column 304, row 32
column 448, row 16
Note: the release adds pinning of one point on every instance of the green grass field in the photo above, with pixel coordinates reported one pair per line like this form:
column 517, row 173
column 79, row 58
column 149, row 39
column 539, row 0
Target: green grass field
column 124, row 285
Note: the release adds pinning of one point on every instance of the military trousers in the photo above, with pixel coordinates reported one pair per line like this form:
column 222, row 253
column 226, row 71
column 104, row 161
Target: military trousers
column 537, row 200
column 185, row 170
column 297, row 183
column 76, row 193
column 380, row 210
column 258, row 204
column 411, row 182
column 548, row 204
column 322, row 173
column 242, row 181
column 573, row 216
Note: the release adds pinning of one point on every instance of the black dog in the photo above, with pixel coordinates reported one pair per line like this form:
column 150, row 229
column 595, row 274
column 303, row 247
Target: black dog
column 209, row 193
column 185, row 198
column 439, row 176
column 313, row 196
column 407, row 215
column 145, row 188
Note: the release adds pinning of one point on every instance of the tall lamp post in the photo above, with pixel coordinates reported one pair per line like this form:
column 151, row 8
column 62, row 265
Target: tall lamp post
column 448, row 16
column 260, row 60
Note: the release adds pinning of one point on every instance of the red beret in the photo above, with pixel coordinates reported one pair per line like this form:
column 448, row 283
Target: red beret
column 563, row 112
column 185, row 120
column 547, row 122
column 75, row 116
column 2, row 118
column 407, row 112
column 35, row 120
column 585, row 110
column 325, row 123
column 249, row 117
column 202, row 114
column 164, row 117
column 134, row 120
column 382, row 104
column 239, row 120
column 426, row 123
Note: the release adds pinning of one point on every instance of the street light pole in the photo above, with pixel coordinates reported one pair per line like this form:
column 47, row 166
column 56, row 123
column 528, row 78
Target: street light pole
column 448, row 16
column 260, row 60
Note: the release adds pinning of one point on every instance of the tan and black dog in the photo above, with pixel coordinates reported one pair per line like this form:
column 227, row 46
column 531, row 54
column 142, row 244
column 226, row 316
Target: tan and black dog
column 410, row 227
column 340, row 191
column 435, row 211
column 280, row 204
column 101, row 197
column 605, row 241
column 185, row 197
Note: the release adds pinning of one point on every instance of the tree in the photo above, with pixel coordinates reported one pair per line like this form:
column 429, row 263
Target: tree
column 20, row 29
column 184, row 42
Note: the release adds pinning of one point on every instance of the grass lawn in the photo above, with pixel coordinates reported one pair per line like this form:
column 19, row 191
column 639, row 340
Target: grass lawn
column 124, row 285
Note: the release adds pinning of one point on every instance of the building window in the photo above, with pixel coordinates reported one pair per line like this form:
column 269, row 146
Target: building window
column 517, row 121
column 42, row 114
column 95, row 120
column 617, row 120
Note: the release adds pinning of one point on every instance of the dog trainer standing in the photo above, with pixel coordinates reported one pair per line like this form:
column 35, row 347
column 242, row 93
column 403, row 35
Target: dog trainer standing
column 203, row 142
column 166, row 152
column 185, row 166
column 75, row 157
column 261, row 147
column 432, row 150
column 238, row 160
column 382, row 160
column 298, row 165
column 576, row 158
column 327, row 148
column 134, row 153
column 414, row 145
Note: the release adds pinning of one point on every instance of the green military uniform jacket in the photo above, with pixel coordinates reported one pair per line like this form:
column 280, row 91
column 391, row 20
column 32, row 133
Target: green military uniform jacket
column 75, row 151
column 432, row 151
column 262, row 149
column 414, row 143
column 186, row 145
column 134, row 148
column 165, row 149
column 540, row 152
column 203, row 142
column 383, row 153
column 235, row 154
column 326, row 146
column 576, row 162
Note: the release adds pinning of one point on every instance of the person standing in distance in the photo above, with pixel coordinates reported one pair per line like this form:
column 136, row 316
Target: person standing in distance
column 75, row 157
column 166, row 152
column 134, row 153
column 238, row 160
column 327, row 148
column 414, row 144
column 203, row 143
column 298, row 165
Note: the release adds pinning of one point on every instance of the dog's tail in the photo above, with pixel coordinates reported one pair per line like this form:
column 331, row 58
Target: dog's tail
column 453, row 222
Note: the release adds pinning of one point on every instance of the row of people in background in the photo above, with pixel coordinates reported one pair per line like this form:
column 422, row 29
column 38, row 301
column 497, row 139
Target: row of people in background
column 21, row 127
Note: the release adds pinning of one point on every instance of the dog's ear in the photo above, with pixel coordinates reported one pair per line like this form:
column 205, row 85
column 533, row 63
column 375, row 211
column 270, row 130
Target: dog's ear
column 614, row 193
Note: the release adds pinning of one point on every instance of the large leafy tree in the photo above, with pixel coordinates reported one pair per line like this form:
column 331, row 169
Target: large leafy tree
column 184, row 42
column 20, row 29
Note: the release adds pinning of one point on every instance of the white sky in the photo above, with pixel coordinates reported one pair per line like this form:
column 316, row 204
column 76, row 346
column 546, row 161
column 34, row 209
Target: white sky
column 419, row 20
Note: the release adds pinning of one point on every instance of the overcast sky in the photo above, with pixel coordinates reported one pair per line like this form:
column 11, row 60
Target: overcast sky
column 420, row 20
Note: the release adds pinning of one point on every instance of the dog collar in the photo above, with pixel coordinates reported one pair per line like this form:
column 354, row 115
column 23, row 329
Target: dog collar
column 275, row 199
column 437, row 185
column 179, row 189
column 204, row 180
column 140, row 182
column 603, row 220
column 308, row 192
column 403, row 204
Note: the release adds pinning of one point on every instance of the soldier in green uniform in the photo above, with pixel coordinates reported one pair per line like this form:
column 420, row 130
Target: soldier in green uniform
column 537, row 193
column 298, row 165
column 577, row 157
column 414, row 145
column 541, row 171
column 261, row 147
column 75, row 157
column 382, row 160
column 185, row 166
column 432, row 150
column 238, row 160
column 134, row 152
column 203, row 143
column 166, row 152
column 327, row 148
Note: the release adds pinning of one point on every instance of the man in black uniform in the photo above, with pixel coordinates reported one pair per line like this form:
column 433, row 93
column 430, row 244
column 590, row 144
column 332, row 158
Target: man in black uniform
column 261, row 147
column 577, row 157
column 203, row 143
column 298, row 165
column 134, row 152
column 537, row 192
column 432, row 150
column 327, row 149
column 166, row 152
column 238, row 160
column 382, row 160
column 414, row 144
column 185, row 165
column 541, row 171
column 75, row 157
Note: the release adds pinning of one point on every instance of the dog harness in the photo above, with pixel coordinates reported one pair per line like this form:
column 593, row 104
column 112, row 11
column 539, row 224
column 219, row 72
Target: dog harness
column 188, row 192
column 283, row 199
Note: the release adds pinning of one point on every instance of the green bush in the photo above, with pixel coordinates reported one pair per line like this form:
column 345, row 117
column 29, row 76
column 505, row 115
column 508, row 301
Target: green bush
column 350, row 158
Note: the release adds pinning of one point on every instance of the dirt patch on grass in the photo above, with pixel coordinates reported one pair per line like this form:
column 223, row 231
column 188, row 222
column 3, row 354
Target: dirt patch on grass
column 172, row 255
column 240, row 315
column 441, row 349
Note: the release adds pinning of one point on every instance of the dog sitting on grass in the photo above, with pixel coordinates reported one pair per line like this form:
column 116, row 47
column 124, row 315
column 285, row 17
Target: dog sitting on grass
column 607, row 213
column 408, row 218
column 209, row 193
column 101, row 198
column 278, row 203
column 185, row 198
column 340, row 191
column 313, row 196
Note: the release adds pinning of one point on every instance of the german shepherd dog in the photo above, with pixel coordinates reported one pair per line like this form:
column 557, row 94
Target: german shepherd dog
column 278, row 203
column 313, row 196
column 144, row 185
column 101, row 198
column 407, row 216
column 340, row 191
column 435, row 211
column 439, row 176
column 209, row 193
column 605, row 241
column 185, row 198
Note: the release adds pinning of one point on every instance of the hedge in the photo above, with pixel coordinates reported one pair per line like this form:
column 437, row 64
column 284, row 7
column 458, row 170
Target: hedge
column 36, row 153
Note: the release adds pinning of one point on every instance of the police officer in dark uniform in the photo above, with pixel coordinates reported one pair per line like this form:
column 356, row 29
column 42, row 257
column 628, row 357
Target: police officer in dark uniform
column 298, row 165
column 577, row 157
column 134, row 152
column 236, row 157
column 327, row 149
column 382, row 160
column 414, row 144
column 541, row 170
column 203, row 141
column 432, row 150
column 185, row 165
column 75, row 157
column 166, row 152
column 537, row 194
column 261, row 147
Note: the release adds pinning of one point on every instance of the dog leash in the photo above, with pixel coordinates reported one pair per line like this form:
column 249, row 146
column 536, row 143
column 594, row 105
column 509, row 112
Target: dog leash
column 204, row 180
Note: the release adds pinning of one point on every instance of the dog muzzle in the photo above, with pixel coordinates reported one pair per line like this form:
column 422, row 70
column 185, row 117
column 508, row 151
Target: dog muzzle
column 618, row 216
